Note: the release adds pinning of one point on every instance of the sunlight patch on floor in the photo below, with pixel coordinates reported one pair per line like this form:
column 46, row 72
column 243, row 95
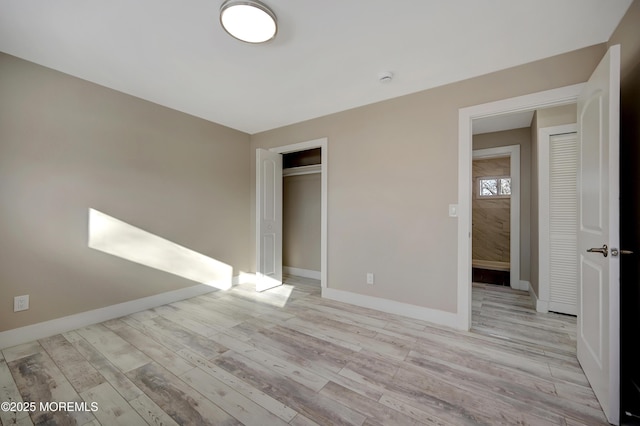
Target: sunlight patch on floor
column 277, row 296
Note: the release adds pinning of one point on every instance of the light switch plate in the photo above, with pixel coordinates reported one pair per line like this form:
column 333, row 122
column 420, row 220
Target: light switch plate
column 453, row 210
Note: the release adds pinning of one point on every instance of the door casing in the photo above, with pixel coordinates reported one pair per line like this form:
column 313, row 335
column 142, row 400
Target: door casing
column 549, row 98
column 323, row 144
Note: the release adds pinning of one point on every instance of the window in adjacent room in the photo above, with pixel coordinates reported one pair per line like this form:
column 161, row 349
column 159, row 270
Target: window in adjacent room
column 494, row 187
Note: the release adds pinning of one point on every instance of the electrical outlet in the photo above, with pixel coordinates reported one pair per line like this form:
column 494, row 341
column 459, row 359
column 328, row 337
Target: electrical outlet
column 21, row 303
column 370, row 279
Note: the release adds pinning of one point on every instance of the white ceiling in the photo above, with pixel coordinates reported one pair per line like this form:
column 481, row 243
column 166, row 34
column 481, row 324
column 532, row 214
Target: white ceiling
column 326, row 57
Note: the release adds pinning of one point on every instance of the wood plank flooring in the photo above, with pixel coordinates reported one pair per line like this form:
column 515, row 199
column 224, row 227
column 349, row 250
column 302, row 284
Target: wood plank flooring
column 287, row 356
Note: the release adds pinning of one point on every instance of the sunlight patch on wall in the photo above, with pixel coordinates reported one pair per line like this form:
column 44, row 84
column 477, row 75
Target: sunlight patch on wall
column 118, row 238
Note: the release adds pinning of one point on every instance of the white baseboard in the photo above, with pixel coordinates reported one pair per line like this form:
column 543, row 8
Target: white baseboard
column 306, row 273
column 524, row 285
column 44, row 329
column 532, row 295
column 390, row 306
column 565, row 308
column 244, row 278
column 541, row 305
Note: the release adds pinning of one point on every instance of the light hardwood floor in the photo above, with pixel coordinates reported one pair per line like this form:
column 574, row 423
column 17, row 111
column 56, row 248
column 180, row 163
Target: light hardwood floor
column 287, row 356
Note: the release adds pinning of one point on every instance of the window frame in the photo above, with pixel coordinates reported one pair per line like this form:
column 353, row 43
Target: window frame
column 492, row 197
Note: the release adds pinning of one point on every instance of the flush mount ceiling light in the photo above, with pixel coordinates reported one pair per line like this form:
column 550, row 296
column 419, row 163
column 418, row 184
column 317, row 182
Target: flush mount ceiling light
column 248, row 20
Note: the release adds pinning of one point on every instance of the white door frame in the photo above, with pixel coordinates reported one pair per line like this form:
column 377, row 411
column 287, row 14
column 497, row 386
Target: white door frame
column 544, row 245
column 548, row 98
column 513, row 152
column 323, row 144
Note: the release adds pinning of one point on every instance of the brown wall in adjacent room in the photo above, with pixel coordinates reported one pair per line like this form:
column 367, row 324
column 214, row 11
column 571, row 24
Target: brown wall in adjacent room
column 491, row 219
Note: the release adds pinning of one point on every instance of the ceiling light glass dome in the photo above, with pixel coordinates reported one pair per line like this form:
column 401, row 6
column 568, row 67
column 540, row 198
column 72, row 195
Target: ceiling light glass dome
column 250, row 21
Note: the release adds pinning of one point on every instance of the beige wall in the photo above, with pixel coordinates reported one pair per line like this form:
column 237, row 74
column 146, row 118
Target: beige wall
column 521, row 137
column 630, row 227
column 392, row 172
column 627, row 34
column 491, row 217
column 67, row 145
column 301, row 221
column 546, row 117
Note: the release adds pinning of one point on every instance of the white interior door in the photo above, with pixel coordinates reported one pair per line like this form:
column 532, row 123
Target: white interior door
column 598, row 233
column 269, row 219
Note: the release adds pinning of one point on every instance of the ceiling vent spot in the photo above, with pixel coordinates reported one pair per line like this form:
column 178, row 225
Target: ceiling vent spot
column 385, row 77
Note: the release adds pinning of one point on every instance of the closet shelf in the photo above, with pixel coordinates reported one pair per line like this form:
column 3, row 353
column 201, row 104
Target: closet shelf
column 302, row 170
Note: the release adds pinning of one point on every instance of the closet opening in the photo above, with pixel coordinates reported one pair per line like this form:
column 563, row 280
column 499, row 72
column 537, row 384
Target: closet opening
column 306, row 235
column 302, row 213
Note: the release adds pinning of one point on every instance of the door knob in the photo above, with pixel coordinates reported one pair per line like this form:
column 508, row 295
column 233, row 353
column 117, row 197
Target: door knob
column 615, row 252
column 604, row 250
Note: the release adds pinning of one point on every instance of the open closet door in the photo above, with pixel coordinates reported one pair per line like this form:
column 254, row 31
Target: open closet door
column 598, row 233
column 269, row 220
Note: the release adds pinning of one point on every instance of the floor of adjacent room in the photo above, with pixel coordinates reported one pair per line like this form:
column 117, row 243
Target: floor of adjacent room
column 287, row 356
